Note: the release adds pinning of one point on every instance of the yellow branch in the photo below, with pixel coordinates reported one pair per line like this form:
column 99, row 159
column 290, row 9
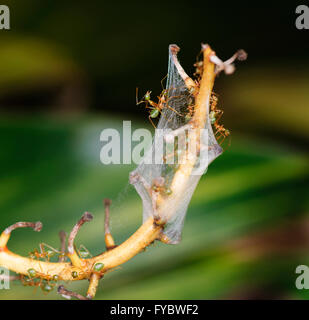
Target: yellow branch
column 94, row 268
column 145, row 235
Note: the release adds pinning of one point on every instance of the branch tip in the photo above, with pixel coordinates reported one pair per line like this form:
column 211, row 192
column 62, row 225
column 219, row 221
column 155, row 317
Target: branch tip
column 228, row 65
column 204, row 46
column 242, row 55
column 174, row 49
column 36, row 226
column 68, row 294
column 87, row 216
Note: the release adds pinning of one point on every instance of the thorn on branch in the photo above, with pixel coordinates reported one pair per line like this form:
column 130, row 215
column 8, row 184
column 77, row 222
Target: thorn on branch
column 107, row 203
column 109, row 240
column 62, row 236
column 68, row 294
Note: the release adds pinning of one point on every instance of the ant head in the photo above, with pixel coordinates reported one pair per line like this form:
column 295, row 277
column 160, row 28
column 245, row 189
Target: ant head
column 212, row 117
column 198, row 64
column 214, row 98
column 147, row 95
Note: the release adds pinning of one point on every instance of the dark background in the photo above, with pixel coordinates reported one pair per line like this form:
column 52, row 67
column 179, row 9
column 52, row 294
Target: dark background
column 118, row 46
column 69, row 69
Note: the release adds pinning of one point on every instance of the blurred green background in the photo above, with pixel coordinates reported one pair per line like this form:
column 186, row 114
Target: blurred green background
column 69, row 70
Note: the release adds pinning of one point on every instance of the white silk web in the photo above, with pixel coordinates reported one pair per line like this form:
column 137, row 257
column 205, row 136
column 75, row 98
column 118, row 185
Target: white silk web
column 154, row 175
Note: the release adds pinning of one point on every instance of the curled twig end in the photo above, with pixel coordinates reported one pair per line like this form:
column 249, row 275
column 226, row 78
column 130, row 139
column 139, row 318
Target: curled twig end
column 87, row 216
column 38, row 226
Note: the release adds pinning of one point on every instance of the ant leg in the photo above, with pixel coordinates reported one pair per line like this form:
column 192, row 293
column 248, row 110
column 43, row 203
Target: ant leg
column 220, row 115
column 42, row 251
column 169, row 120
column 149, row 117
column 167, row 106
column 218, row 134
column 36, row 254
column 136, row 95
column 51, row 252
column 230, row 140
column 162, row 82
column 83, row 252
column 139, row 102
column 50, row 247
column 221, row 137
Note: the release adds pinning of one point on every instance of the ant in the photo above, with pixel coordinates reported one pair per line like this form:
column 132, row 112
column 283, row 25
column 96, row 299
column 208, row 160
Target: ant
column 159, row 186
column 84, row 252
column 155, row 108
column 199, row 66
column 198, row 70
column 51, row 252
column 215, row 113
column 222, row 131
column 215, row 116
column 37, row 282
column 190, row 109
